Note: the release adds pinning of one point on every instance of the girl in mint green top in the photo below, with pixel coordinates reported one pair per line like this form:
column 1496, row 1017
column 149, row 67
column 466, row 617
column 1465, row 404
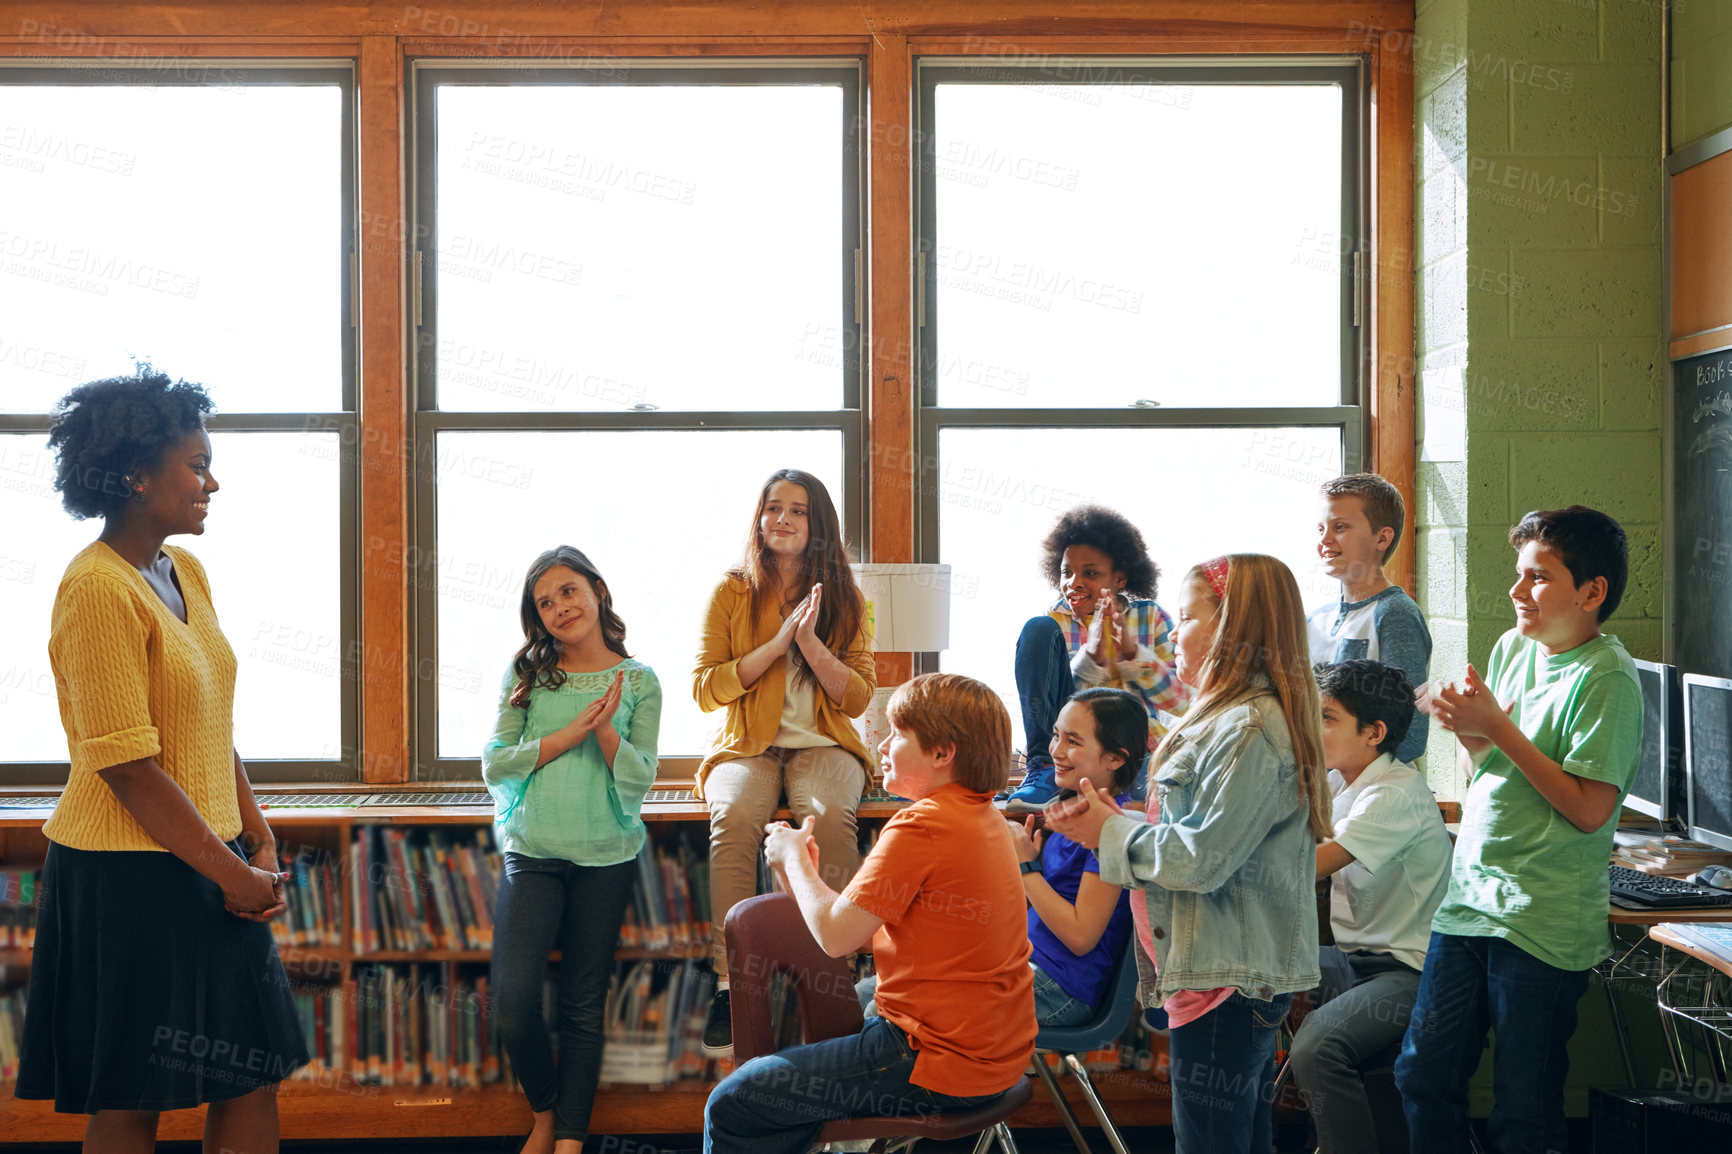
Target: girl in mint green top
column 572, row 755
column 573, row 806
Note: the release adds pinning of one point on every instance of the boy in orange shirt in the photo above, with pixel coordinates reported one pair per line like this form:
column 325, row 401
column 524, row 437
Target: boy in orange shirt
column 941, row 901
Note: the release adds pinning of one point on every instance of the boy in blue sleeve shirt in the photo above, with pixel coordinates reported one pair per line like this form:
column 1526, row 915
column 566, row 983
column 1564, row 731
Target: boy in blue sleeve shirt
column 1359, row 523
column 1553, row 732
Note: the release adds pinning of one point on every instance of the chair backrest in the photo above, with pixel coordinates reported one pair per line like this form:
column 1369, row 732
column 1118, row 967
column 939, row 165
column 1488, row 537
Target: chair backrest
column 1109, row 1020
column 766, row 935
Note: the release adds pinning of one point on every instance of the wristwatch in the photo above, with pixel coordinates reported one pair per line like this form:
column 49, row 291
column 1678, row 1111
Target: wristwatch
column 1032, row 866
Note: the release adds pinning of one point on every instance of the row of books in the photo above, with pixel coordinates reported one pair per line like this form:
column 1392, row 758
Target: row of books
column 670, row 904
column 654, row 1030
column 11, row 1033
column 18, row 908
column 415, row 890
column 403, row 1025
column 413, row 1024
column 1664, row 855
column 311, row 895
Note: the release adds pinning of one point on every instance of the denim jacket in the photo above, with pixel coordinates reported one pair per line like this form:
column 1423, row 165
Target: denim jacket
column 1228, row 867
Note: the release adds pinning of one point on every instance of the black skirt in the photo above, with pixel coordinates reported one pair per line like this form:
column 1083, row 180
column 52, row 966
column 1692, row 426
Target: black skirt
column 145, row 993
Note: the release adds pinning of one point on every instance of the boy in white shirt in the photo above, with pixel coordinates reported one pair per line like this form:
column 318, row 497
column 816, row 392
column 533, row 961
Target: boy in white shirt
column 1389, row 860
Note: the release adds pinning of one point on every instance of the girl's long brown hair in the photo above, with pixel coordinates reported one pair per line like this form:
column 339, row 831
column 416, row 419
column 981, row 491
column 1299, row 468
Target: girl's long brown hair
column 537, row 663
column 1262, row 631
column 825, row 561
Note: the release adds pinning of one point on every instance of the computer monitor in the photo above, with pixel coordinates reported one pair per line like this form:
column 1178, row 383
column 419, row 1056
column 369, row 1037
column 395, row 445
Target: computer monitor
column 1658, row 790
column 1708, row 739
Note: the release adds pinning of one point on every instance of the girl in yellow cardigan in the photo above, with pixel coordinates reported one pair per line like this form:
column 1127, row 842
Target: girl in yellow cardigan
column 785, row 652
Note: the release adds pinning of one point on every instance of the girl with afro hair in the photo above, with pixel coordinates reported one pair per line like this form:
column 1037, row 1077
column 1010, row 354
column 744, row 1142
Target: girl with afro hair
column 1102, row 629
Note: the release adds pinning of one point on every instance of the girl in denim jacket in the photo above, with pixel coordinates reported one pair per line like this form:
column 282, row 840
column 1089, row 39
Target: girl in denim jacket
column 1226, row 858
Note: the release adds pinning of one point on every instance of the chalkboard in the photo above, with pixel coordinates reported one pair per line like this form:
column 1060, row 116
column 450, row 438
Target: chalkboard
column 1702, row 514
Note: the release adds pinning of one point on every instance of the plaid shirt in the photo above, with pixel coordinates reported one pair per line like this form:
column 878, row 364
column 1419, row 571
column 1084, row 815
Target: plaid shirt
column 1150, row 674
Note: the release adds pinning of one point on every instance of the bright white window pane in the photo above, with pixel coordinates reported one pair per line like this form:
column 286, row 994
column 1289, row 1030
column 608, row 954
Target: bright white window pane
column 1001, row 490
column 661, row 514
column 603, row 247
column 197, row 227
column 276, row 592
column 1102, row 244
column 40, row 540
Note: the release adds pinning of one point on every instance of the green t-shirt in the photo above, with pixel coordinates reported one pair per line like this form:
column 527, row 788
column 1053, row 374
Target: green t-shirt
column 1521, row 870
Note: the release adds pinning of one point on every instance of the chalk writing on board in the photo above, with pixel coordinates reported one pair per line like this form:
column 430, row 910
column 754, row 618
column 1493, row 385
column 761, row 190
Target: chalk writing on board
column 1702, row 514
column 1717, row 404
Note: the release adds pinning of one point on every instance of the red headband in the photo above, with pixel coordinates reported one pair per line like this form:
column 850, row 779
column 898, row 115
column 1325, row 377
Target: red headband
column 1215, row 573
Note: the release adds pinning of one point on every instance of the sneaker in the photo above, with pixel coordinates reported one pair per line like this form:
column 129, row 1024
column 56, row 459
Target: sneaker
column 1039, row 786
column 719, row 1027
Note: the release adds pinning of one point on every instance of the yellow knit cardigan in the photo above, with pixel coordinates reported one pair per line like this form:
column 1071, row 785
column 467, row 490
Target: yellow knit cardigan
column 755, row 715
column 134, row 681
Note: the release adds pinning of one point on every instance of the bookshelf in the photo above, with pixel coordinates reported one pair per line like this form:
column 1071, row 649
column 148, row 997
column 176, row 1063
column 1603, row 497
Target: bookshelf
column 331, row 1103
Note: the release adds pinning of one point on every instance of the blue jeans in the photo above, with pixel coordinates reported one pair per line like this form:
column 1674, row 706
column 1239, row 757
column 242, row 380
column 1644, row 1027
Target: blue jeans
column 1054, row 1007
column 778, row 1103
column 1469, row 985
column 1044, row 683
column 1224, row 1077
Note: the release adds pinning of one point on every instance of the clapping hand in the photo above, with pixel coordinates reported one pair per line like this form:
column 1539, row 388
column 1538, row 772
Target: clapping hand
column 783, row 845
column 806, row 632
column 1025, row 839
column 1110, row 638
column 785, row 636
column 1472, row 713
column 597, row 713
column 1082, row 817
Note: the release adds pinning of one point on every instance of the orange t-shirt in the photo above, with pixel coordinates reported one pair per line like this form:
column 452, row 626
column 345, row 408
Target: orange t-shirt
column 953, row 952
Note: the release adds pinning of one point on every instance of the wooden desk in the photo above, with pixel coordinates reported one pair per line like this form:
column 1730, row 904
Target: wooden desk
column 1619, row 916
column 1694, row 990
column 1669, row 937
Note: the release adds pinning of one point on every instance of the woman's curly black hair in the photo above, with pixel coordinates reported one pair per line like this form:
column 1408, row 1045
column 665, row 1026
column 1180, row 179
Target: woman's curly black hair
column 106, row 431
column 1111, row 533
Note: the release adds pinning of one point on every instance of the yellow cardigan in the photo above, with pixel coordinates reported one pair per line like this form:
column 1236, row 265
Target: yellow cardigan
column 755, row 715
column 136, row 681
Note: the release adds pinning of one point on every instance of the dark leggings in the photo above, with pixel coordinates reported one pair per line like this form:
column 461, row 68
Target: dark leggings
column 541, row 901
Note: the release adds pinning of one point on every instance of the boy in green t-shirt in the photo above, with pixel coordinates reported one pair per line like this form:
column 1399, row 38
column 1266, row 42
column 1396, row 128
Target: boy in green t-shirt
column 1552, row 734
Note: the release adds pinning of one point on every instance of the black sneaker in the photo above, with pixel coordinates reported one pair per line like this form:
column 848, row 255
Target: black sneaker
column 719, row 1027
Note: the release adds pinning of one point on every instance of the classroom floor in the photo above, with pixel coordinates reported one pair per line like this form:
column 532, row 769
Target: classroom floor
column 1139, row 1139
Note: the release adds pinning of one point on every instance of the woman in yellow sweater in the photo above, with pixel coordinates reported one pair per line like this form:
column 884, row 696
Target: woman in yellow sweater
column 785, row 652
column 155, row 985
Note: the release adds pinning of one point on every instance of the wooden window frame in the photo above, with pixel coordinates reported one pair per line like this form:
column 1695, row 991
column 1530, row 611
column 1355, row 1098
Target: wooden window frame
column 342, row 422
column 933, row 416
column 889, row 35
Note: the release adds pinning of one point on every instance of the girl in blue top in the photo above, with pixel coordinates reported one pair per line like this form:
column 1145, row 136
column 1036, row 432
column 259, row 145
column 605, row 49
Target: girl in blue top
column 1078, row 924
column 572, row 755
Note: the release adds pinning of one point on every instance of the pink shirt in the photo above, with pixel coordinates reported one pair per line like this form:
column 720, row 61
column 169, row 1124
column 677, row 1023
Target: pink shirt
column 1185, row 1006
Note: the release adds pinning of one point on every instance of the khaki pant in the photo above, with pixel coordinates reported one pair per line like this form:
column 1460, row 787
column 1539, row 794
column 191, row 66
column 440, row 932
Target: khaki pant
column 825, row 781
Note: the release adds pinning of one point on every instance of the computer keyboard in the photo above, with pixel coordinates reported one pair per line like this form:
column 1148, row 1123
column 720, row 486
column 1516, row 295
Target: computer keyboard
column 1650, row 890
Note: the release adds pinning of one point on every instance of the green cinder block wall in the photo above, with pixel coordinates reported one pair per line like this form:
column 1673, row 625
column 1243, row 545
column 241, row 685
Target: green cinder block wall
column 1539, row 336
column 1701, row 96
column 1539, row 301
